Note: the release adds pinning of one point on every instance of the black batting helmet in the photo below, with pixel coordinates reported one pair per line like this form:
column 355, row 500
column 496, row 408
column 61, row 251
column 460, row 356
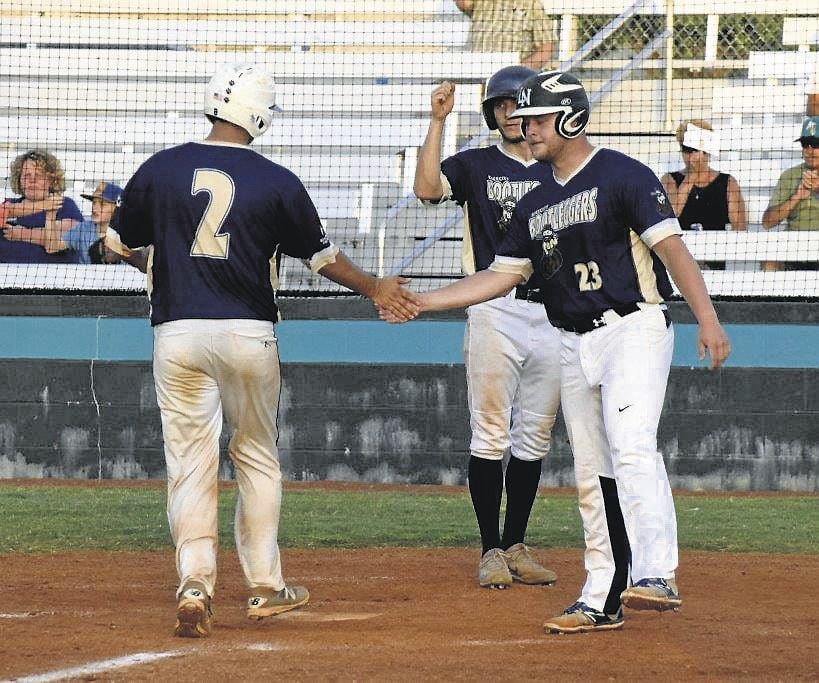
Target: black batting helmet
column 503, row 83
column 551, row 92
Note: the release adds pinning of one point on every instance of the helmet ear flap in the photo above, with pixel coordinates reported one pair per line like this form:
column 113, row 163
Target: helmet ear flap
column 488, row 108
column 559, row 119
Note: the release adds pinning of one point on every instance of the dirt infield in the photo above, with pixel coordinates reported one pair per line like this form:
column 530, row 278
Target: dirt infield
column 402, row 614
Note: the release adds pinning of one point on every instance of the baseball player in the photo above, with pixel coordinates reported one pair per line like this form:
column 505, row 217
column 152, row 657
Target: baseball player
column 217, row 216
column 510, row 350
column 601, row 232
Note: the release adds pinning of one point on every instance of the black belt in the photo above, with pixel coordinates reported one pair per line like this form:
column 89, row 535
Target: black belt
column 592, row 322
column 525, row 294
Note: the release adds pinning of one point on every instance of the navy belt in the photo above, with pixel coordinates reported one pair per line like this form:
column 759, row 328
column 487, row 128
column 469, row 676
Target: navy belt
column 601, row 319
column 524, row 293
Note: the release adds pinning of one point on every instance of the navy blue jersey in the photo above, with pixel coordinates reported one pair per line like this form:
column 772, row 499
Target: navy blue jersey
column 217, row 216
column 488, row 182
column 590, row 237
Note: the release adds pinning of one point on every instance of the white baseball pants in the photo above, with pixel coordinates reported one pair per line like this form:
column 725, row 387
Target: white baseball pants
column 202, row 367
column 613, row 386
column 511, row 354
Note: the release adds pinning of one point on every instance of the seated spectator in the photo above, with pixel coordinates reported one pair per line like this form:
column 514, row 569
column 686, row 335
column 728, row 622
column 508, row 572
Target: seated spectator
column 82, row 236
column 795, row 199
column 34, row 221
column 520, row 26
column 702, row 198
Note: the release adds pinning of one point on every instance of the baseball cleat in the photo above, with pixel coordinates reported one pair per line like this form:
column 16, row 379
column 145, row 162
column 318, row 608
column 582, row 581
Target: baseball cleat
column 493, row 572
column 580, row 618
column 525, row 568
column 655, row 593
column 266, row 602
column 194, row 616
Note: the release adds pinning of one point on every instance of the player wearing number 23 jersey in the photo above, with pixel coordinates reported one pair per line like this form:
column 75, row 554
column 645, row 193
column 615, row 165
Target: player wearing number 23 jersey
column 573, row 233
column 600, row 232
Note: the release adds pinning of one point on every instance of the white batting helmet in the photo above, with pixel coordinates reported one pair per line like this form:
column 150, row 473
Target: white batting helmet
column 242, row 94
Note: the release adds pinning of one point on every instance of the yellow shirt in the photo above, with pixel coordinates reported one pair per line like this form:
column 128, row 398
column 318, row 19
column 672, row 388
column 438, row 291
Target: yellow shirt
column 509, row 26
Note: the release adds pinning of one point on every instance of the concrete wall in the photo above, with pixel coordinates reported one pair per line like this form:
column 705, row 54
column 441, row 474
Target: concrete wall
column 737, row 429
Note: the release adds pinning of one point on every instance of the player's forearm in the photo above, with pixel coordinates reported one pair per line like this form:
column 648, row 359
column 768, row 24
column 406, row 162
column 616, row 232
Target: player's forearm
column 427, row 183
column 482, row 286
column 346, row 273
column 687, row 276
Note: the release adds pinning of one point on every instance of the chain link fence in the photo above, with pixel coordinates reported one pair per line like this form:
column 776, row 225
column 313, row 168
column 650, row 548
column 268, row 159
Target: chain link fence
column 104, row 85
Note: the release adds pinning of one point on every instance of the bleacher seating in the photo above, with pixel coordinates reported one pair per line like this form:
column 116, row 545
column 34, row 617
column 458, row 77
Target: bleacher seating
column 104, row 84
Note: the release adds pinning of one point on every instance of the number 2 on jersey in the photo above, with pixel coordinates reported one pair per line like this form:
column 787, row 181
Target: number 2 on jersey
column 589, row 276
column 208, row 241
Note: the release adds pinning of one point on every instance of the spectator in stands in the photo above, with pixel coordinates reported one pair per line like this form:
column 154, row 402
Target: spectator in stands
column 795, row 199
column 702, row 198
column 35, row 221
column 82, row 237
column 511, row 26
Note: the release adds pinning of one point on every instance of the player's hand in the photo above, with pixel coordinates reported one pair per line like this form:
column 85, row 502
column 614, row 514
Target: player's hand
column 395, row 300
column 713, row 339
column 443, row 99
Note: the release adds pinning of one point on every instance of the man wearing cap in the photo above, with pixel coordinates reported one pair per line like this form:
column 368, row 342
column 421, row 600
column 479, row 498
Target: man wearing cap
column 795, row 199
column 84, row 238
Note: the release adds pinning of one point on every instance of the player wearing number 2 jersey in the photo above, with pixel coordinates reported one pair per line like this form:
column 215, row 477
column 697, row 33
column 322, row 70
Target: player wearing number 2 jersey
column 216, row 216
column 600, row 232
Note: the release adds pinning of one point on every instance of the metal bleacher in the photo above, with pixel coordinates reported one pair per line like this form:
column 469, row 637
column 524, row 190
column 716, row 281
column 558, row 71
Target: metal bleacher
column 104, row 84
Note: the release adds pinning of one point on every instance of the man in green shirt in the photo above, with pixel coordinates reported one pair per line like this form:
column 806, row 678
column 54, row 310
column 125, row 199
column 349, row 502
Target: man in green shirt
column 511, row 26
column 795, row 198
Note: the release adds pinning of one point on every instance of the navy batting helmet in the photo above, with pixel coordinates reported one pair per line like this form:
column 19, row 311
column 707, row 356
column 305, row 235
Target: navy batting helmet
column 552, row 92
column 503, row 83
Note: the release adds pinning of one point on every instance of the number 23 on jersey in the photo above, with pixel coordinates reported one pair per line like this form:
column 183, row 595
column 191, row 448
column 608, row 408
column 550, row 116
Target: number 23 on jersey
column 588, row 274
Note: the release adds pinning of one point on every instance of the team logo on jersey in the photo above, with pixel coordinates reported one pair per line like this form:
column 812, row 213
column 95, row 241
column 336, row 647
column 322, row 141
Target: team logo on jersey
column 552, row 259
column 507, row 194
column 579, row 208
column 663, row 205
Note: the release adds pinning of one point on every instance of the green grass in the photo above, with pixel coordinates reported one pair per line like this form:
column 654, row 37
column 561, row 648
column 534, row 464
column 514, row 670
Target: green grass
column 60, row 519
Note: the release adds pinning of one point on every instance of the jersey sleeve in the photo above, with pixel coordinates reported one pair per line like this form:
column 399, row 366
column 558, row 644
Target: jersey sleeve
column 131, row 225
column 303, row 236
column 513, row 253
column 647, row 210
column 457, row 176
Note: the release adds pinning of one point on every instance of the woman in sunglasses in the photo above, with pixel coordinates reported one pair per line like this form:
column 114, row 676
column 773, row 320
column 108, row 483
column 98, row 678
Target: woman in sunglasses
column 702, row 198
